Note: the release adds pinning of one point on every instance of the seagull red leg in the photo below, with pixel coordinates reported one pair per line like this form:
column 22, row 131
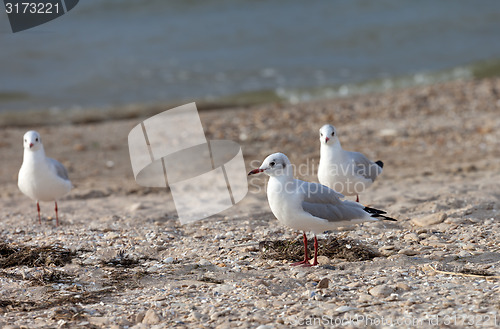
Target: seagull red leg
column 57, row 216
column 39, row 218
column 305, row 262
column 315, row 262
column 357, row 197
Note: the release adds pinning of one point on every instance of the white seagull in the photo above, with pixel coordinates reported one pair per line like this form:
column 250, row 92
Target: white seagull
column 309, row 206
column 346, row 172
column 41, row 178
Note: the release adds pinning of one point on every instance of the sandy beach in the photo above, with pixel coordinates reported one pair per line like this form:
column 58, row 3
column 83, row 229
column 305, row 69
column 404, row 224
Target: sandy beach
column 121, row 259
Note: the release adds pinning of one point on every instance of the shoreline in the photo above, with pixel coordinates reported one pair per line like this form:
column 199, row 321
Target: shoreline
column 288, row 96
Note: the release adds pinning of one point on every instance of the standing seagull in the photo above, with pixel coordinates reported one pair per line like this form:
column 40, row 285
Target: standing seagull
column 41, row 178
column 309, row 206
column 346, row 172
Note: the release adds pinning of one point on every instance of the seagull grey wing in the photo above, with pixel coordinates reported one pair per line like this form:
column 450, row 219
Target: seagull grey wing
column 344, row 212
column 317, row 193
column 365, row 167
column 60, row 170
column 323, row 210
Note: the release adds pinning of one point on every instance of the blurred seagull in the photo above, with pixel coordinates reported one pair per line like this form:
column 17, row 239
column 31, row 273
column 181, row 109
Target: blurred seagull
column 346, row 172
column 309, row 206
column 41, row 178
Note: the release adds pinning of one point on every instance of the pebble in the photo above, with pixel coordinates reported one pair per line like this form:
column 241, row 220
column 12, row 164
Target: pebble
column 261, row 304
column 364, row 298
column 469, row 247
column 402, row 286
column 345, row 308
column 265, row 326
column 151, row 317
column 412, row 237
column 136, row 206
column 140, row 316
column 381, row 291
column 408, row 252
column 323, row 260
column 431, row 219
column 168, row 260
column 196, row 316
column 204, row 262
column 323, row 283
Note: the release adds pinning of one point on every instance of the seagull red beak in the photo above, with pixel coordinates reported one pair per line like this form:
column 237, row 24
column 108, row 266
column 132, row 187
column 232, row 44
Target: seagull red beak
column 255, row 171
column 31, row 145
column 327, row 139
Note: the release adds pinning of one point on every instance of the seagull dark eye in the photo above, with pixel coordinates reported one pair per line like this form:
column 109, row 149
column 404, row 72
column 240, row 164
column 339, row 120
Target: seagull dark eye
column 25, row 140
column 272, row 163
column 36, row 139
column 333, row 133
column 321, row 134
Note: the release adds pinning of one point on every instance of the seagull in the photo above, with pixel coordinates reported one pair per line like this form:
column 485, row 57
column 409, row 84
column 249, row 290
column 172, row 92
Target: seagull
column 346, row 172
column 41, row 178
column 309, row 206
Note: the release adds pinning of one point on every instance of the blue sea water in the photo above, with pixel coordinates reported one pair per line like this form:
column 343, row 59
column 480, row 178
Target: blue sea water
column 107, row 53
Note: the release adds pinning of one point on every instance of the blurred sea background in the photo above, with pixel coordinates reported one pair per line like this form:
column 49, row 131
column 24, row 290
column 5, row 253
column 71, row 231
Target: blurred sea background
column 119, row 57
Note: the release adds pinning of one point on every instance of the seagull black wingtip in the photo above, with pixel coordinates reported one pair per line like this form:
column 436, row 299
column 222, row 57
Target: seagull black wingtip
column 380, row 163
column 375, row 213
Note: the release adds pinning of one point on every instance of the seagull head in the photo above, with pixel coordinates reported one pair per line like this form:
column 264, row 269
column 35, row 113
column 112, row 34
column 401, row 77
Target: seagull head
column 276, row 164
column 32, row 141
column 328, row 134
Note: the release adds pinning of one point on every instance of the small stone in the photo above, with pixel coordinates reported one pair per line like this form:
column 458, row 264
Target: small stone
column 261, row 304
column 364, row 298
column 402, row 286
column 456, row 221
column 381, row 291
column 431, row 219
column 388, row 132
column 139, row 317
column 135, row 206
column 323, row 260
column 355, row 284
column 79, row 147
column 99, row 320
column 168, row 260
column 345, row 308
column 411, row 237
column 265, row 326
column 323, row 284
column 469, row 247
column 196, row 316
column 151, row 317
column 463, row 253
column 408, row 252
column 216, row 315
column 204, row 262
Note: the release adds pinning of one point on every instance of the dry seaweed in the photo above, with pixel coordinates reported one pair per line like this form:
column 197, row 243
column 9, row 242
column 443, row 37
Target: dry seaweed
column 332, row 247
column 122, row 260
column 33, row 256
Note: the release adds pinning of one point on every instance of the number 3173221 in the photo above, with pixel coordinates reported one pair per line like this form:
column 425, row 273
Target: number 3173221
column 32, row 8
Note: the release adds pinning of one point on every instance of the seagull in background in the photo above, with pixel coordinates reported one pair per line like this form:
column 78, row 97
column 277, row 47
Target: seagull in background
column 309, row 206
column 41, row 178
column 346, row 172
